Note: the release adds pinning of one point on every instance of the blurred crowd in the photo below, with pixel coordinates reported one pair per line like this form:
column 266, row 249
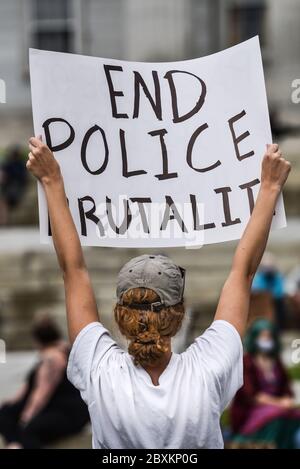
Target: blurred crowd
column 13, row 181
column 276, row 295
column 264, row 412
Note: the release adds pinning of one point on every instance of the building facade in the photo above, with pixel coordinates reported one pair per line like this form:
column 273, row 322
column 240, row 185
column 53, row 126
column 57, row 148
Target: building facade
column 147, row 30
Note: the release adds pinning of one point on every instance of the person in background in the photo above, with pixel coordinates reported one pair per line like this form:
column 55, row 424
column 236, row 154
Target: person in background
column 264, row 410
column 48, row 406
column 13, row 180
column 269, row 279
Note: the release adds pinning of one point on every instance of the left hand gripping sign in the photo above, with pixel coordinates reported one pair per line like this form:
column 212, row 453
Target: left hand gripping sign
column 155, row 154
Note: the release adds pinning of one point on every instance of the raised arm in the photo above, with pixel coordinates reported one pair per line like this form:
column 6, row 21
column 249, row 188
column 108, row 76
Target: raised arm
column 80, row 301
column 234, row 300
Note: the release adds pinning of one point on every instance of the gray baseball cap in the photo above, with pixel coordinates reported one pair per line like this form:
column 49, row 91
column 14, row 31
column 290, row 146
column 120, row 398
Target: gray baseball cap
column 156, row 272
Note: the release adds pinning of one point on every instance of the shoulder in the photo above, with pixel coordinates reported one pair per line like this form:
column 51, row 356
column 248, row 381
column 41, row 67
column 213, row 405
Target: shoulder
column 217, row 356
column 91, row 350
column 92, row 342
column 219, row 346
column 222, row 335
column 54, row 357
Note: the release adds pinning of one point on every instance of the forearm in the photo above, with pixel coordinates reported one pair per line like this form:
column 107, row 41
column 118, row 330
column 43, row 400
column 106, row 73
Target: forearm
column 35, row 404
column 234, row 301
column 266, row 399
column 80, row 300
column 65, row 237
column 284, row 401
column 253, row 242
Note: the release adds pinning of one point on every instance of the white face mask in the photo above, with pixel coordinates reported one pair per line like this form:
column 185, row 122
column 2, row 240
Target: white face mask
column 265, row 345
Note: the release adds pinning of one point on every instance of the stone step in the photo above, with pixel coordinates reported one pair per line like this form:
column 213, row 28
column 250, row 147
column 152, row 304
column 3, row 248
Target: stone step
column 30, row 279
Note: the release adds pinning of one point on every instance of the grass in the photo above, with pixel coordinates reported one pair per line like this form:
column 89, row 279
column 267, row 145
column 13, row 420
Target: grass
column 294, row 373
column 225, row 419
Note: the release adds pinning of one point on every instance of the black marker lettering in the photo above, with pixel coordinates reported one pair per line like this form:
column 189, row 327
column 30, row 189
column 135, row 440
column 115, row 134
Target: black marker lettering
column 155, row 103
column 89, row 214
column 190, row 147
column 171, row 213
column 141, row 201
column 112, row 92
column 61, row 146
column 226, row 207
column 127, row 217
column 237, row 140
column 197, row 226
column 248, row 186
column 125, row 171
column 176, row 117
column 84, row 145
column 165, row 174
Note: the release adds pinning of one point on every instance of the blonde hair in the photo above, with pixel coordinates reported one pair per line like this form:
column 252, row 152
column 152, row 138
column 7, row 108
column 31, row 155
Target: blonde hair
column 148, row 331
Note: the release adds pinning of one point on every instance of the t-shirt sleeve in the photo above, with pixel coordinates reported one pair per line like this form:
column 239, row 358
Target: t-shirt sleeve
column 219, row 353
column 91, row 344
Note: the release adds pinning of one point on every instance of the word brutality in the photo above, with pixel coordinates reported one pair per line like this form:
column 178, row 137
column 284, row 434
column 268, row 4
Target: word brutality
column 87, row 206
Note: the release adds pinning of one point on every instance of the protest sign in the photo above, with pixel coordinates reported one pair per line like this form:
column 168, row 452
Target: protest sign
column 155, row 154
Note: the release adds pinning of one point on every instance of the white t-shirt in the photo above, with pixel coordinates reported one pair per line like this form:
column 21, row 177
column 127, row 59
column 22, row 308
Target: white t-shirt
column 128, row 411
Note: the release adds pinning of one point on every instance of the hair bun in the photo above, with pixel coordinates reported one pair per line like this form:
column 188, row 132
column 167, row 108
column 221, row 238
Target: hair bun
column 149, row 332
column 148, row 337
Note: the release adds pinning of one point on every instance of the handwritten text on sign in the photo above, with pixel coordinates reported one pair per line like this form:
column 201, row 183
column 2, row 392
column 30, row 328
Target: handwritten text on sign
column 155, row 154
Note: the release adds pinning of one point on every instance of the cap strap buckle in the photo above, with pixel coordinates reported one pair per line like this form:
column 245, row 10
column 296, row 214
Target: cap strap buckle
column 157, row 306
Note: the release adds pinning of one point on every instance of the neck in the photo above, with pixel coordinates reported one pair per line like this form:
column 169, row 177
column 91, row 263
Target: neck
column 155, row 370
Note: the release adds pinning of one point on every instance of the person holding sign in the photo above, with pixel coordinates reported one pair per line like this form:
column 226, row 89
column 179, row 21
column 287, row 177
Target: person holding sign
column 151, row 397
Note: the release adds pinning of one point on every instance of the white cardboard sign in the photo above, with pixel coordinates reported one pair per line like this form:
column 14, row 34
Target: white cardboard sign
column 155, row 154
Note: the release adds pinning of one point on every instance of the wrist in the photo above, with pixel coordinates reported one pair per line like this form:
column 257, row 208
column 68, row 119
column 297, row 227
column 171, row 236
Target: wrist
column 270, row 188
column 53, row 180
